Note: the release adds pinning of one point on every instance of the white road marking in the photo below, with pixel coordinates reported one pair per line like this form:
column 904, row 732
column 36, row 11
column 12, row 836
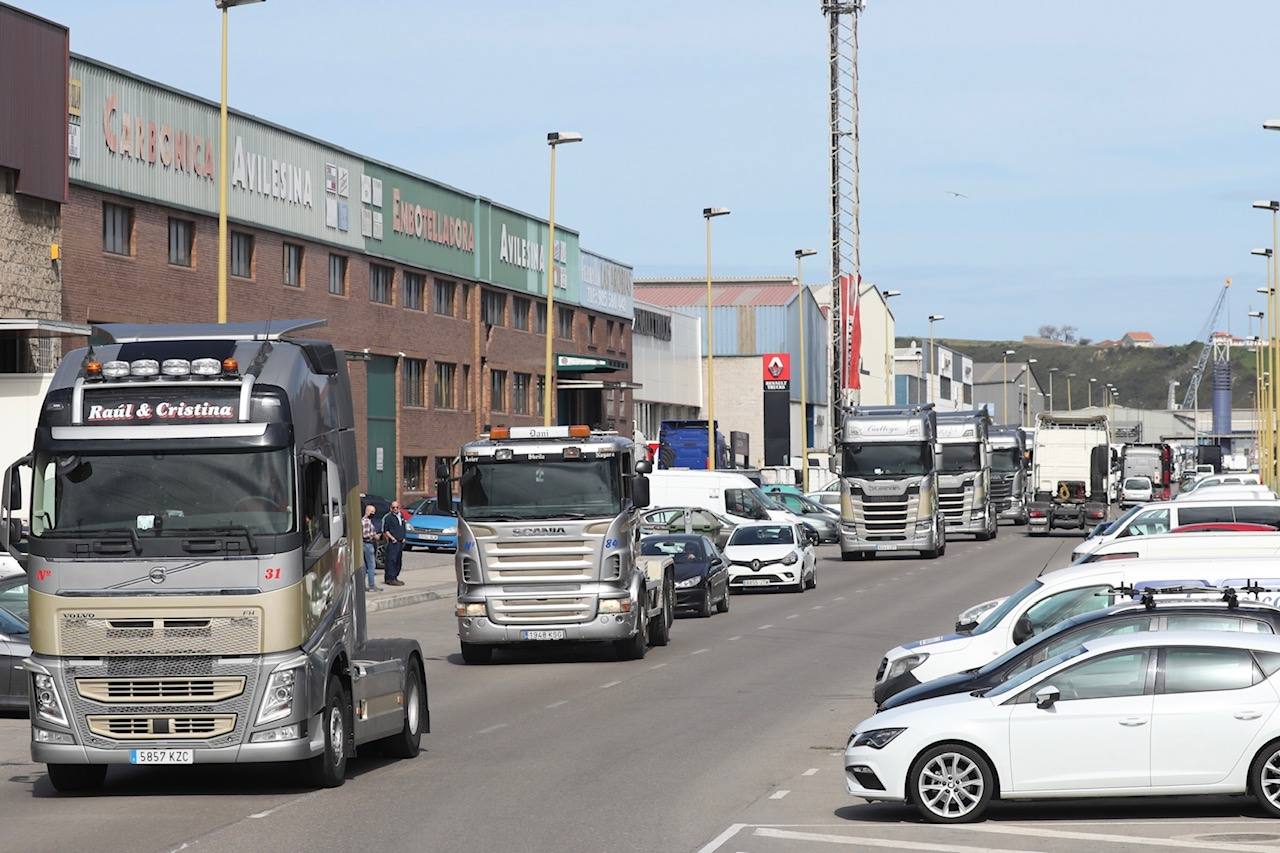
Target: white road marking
column 817, row 607
column 1042, row 832
column 835, row 753
column 812, row 771
column 762, row 627
column 556, row 704
column 699, row 651
column 492, row 729
column 610, row 684
column 658, row 665
column 738, row 637
column 860, row 841
column 794, row 616
column 256, row 815
column 841, row 597
column 777, row 795
column 718, row 842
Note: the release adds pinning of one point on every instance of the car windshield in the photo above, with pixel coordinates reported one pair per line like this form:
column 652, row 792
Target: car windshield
column 1004, row 459
column 11, row 623
column 887, row 460
column 1138, row 483
column 155, row 493
column 772, row 534
column 1028, row 675
column 960, row 458
column 682, row 551
column 429, row 506
column 527, row 488
column 1005, row 607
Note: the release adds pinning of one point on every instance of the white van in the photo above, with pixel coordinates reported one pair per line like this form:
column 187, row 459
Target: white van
column 729, row 494
column 1186, row 545
column 1240, row 479
column 1163, row 517
column 1053, row 597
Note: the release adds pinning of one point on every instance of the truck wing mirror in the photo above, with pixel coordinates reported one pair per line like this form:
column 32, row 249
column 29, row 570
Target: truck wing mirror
column 11, row 529
column 444, row 486
column 640, row 492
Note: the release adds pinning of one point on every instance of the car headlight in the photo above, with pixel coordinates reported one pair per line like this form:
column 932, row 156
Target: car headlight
column 904, row 665
column 277, row 702
column 450, row 531
column 48, row 705
column 875, row 738
column 688, row 582
column 790, row 559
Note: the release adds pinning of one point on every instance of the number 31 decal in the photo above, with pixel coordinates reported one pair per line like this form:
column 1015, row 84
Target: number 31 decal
column 272, row 575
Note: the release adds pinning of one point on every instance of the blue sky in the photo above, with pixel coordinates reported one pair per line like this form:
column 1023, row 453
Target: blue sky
column 1109, row 150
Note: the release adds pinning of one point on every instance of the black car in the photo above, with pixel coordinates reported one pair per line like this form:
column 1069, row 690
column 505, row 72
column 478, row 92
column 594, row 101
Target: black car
column 702, row 573
column 1120, row 619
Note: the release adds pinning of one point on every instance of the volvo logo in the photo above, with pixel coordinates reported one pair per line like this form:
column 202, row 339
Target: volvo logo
column 538, row 531
column 157, row 575
column 755, row 565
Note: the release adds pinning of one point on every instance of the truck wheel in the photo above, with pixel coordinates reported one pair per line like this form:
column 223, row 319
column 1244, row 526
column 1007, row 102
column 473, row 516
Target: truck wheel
column 853, row 556
column 931, row 554
column 476, row 653
column 74, row 778
column 660, row 625
column 409, row 740
column 983, row 536
column 329, row 768
column 995, row 530
column 634, row 647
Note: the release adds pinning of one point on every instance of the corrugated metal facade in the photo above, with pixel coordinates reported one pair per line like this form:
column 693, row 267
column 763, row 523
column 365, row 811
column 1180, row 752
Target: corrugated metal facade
column 33, row 103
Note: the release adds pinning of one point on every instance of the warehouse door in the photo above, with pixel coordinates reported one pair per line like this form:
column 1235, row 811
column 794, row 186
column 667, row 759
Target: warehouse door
column 381, row 409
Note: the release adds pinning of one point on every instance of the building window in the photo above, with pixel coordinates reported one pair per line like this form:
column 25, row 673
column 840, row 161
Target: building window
column 117, row 229
column 414, row 288
column 608, row 334
column 241, row 254
column 181, row 232
column 444, row 298
column 520, row 313
column 465, row 293
column 498, row 391
column 493, row 307
column 380, row 283
column 414, row 381
column 539, row 390
column 540, row 318
column 444, row 384
column 338, row 275
column 944, row 387
column 564, row 323
column 292, row 265
column 414, row 474
column 466, row 387
column 520, row 393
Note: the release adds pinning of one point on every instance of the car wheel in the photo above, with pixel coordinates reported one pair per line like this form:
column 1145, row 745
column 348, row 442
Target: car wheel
column 704, row 609
column 722, row 606
column 76, row 778
column 951, row 783
column 1264, row 778
column 813, row 578
column 329, row 768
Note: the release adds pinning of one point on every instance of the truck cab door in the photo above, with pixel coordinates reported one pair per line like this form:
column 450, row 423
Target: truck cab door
column 334, row 498
column 12, row 535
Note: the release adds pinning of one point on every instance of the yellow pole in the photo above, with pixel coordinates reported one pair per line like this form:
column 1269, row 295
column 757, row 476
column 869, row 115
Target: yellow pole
column 1273, row 303
column 1069, row 406
column 547, row 366
column 222, row 182
column 804, row 378
column 711, row 365
column 1004, row 387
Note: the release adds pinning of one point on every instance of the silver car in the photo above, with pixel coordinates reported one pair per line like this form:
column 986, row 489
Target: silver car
column 687, row 519
column 15, row 642
column 824, row 520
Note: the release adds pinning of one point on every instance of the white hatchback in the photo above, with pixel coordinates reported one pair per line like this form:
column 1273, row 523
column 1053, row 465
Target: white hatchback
column 1136, row 490
column 1146, row 714
column 771, row 554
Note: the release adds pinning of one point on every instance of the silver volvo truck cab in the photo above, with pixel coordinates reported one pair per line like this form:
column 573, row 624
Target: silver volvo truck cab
column 1009, row 474
column 964, row 473
column 889, row 482
column 548, row 543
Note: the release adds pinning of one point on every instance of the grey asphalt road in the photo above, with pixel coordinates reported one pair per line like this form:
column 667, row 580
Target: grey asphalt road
column 727, row 739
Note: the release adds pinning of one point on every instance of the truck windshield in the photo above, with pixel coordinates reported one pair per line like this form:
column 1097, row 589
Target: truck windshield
column 887, row 460
column 161, row 494
column 517, row 490
column 1005, row 459
column 959, row 458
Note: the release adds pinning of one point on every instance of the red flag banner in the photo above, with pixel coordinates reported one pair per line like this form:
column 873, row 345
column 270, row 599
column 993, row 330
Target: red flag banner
column 851, row 307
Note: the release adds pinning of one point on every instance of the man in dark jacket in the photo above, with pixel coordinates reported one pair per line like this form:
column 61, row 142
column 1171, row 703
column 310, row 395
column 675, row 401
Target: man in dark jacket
column 393, row 532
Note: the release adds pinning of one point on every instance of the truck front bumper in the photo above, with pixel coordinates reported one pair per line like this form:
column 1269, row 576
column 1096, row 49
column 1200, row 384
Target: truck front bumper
column 973, row 524
column 922, row 541
column 1016, row 513
column 601, row 628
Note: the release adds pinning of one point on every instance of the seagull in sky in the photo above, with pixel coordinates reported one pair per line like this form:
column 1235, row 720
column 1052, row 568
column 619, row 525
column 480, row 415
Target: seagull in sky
column 956, row 194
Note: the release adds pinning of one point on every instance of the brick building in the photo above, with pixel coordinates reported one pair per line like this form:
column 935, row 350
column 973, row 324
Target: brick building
column 437, row 295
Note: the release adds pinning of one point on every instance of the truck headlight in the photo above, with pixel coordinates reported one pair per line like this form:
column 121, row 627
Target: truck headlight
column 48, row 704
column 924, row 526
column 277, row 701
column 469, row 609
column 790, row 559
column 875, row 738
column 615, row 605
column 688, row 582
column 906, row 664
column 450, row 531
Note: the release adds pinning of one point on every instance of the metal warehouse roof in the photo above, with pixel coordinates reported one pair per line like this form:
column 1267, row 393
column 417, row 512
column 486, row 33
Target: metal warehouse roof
column 678, row 292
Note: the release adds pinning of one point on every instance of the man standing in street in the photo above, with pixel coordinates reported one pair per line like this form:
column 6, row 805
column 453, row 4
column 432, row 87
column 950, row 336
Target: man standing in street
column 393, row 532
column 370, row 535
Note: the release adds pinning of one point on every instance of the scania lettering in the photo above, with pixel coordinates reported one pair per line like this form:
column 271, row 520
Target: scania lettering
column 1009, row 473
column 889, row 482
column 964, row 473
column 195, row 587
column 548, row 543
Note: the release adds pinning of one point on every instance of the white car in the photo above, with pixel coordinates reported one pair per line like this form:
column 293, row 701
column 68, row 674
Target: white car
column 1166, row 516
column 1135, row 490
column 1186, row 545
column 1143, row 714
column 1214, row 480
column 9, row 567
column 771, row 554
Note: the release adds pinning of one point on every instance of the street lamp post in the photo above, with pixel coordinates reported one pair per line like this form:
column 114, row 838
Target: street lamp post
column 1257, row 385
column 709, row 213
column 801, row 254
column 1273, row 334
column 932, row 360
column 1004, row 387
column 886, row 295
column 1069, row 406
column 554, row 141
column 1092, row 380
column 1262, row 351
column 224, row 6
column 1026, row 390
column 1052, row 370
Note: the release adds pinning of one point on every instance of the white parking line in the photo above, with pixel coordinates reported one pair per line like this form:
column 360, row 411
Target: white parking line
column 556, row 704
column 861, row 841
column 841, row 597
column 610, row 684
column 794, row 616
column 699, row 651
column 1043, row 832
column 812, row 771
column 817, row 607
column 718, row 842
column 777, row 795
column 762, row 627
column 492, row 729
column 738, row 637
column 658, row 665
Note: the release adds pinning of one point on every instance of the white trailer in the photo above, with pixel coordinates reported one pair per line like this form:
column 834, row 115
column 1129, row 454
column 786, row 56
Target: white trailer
column 1071, row 474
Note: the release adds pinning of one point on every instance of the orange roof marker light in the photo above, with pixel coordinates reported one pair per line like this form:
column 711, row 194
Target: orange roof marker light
column 230, row 366
column 93, row 369
column 500, row 433
column 579, row 431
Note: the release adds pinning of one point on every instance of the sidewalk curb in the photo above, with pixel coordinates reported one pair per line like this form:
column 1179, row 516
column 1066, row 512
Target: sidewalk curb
column 404, row 599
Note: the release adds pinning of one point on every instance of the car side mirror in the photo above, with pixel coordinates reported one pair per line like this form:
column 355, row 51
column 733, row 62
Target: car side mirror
column 640, row 492
column 1046, row 696
column 1022, row 630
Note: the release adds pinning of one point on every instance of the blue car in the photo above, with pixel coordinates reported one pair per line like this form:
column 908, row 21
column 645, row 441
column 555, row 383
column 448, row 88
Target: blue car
column 429, row 527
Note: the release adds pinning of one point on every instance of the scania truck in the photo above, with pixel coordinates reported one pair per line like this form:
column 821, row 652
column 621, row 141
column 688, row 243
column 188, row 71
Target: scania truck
column 1071, row 474
column 1009, row 473
column 889, row 482
column 964, row 473
column 548, row 543
column 194, row 560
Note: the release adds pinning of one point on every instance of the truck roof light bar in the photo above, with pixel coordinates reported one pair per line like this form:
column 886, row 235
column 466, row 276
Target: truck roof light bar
column 506, row 433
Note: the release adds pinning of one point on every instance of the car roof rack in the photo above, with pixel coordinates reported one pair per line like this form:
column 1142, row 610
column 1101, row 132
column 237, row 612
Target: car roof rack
column 1231, row 595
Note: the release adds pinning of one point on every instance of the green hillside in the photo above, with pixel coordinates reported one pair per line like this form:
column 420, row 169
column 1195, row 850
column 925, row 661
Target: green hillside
column 1142, row 375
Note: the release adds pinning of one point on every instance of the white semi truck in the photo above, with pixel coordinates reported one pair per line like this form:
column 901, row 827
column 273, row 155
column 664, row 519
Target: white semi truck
column 1071, row 474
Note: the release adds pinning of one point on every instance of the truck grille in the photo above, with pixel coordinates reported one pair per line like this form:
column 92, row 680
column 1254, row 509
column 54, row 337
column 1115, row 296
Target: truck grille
column 103, row 636
column 540, row 560
column 523, row 611
column 886, row 519
column 149, row 690
column 952, row 503
column 1002, row 493
column 162, row 726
